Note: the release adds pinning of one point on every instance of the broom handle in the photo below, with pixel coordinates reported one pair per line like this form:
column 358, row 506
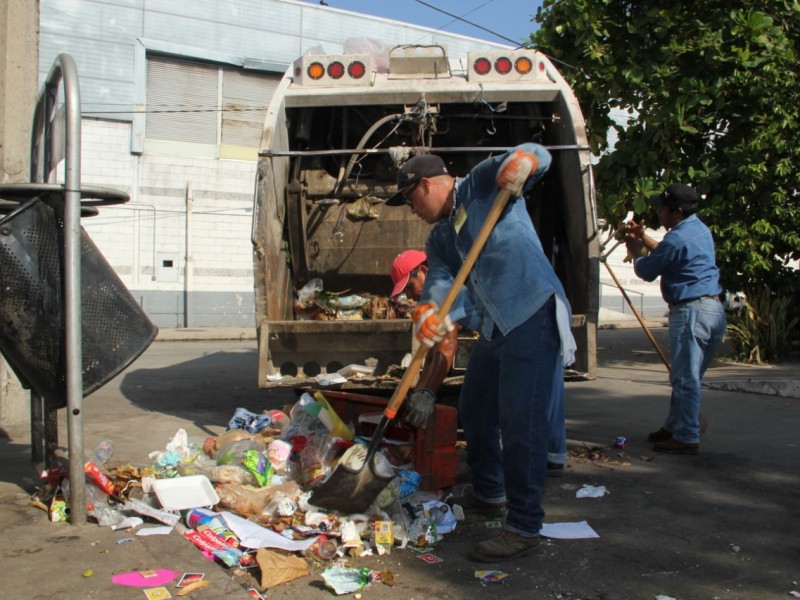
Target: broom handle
column 399, row 395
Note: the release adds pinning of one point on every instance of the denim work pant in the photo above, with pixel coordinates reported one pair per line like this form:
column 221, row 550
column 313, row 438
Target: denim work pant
column 508, row 393
column 557, row 444
column 695, row 330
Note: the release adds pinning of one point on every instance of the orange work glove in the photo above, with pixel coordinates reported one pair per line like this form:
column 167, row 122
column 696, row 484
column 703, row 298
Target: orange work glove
column 427, row 326
column 516, row 168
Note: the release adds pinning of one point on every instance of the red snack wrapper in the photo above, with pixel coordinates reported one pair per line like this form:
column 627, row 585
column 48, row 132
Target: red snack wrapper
column 99, row 478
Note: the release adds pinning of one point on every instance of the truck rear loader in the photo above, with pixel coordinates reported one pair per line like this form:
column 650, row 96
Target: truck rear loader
column 337, row 130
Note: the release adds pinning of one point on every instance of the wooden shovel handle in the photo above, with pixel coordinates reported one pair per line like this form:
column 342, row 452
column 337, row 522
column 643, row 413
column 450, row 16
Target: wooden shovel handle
column 399, row 395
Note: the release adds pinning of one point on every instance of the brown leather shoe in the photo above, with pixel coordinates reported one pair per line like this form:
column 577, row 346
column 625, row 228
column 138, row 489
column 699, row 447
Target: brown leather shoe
column 673, row 446
column 662, row 435
column 504, row 546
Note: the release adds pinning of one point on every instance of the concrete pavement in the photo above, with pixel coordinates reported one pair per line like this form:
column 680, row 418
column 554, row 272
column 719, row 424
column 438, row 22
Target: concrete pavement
column 719, row 525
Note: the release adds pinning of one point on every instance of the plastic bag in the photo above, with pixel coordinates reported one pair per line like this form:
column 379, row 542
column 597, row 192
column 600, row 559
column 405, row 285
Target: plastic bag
column 244, row 500
column 232, row 452
column 309, row 291
column 378, row 50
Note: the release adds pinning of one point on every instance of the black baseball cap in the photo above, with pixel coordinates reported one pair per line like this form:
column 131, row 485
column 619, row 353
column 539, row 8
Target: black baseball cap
column 414, row 169
column 677, row 194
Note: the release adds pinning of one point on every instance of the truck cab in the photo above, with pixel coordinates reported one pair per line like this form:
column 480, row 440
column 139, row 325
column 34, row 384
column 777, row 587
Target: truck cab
column 336, row 132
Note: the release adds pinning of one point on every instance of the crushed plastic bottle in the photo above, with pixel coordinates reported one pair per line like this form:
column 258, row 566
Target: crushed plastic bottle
column 103, row 452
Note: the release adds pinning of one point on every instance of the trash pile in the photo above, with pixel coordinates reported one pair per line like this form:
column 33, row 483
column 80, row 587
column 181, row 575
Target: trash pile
column 314, row 303
column 246, row 497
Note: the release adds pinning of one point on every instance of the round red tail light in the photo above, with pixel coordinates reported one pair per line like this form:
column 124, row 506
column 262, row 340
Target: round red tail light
column 335, row 70
column 502, row 65
column 356, row 69
column 482, row 66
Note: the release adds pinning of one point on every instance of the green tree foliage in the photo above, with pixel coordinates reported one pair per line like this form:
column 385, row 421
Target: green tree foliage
column 711, row 91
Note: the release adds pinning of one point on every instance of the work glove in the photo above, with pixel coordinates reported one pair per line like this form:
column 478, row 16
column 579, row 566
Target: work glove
column 427, row 327
column 420, row 408
column 515, row 170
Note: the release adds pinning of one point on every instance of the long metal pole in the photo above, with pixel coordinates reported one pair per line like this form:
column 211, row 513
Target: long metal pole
column 636, row 314
column 64, row 70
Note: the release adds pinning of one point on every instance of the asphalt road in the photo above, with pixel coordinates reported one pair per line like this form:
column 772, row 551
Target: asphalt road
column 721, row 525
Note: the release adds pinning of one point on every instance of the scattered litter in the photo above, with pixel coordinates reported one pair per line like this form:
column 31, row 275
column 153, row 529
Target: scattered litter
column 88, row 573
column 128, row 523
column 188, row 579
column 431, row 559
column 123, row 540
column 597, row 457
column 490, row 576
column 158, row 530
column 277, row 567
column 568, row 531
column 795, row 594
column 181, row 493
column 345, row 580
column 158, row 593
column 254, row 593
column 591, row 491
column 185, row 591
column 659, row 597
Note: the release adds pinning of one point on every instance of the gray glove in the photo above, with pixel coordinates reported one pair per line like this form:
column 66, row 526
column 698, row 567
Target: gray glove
column 420, row 408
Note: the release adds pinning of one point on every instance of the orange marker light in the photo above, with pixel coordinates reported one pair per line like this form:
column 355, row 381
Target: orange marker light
column 523, row 65
column 315, row 70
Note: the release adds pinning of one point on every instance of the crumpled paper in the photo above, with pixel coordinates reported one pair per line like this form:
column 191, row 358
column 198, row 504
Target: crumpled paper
column 591, row 491
column 278, row 567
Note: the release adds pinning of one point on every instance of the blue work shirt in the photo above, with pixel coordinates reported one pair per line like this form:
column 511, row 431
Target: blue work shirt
column 685, row 261
column 512, row 277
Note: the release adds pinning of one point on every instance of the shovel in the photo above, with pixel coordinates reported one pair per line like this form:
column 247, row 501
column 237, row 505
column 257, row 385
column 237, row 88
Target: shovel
column 352, row 490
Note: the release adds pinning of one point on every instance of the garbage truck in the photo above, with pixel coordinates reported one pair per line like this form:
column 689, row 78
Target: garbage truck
column 336, row 132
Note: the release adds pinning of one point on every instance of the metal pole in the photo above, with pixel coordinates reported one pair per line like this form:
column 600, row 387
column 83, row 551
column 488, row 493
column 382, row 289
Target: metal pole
column 64, row 71
column 636, row 314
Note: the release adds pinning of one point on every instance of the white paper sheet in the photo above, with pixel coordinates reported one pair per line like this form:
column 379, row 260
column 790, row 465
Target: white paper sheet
column 160, row 530
column 252, row 535
column 568, row 531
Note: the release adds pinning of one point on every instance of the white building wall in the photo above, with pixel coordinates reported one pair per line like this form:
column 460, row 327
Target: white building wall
column 137, row 236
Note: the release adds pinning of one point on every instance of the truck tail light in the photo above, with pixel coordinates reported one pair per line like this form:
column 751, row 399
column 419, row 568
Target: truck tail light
column 332, row 70
column 507, row 66
column 502, row 65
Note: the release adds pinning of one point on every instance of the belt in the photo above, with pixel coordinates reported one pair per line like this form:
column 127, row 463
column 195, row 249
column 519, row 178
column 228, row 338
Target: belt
column 672, row 305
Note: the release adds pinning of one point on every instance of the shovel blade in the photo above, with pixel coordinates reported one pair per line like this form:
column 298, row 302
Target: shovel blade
column 349, row 491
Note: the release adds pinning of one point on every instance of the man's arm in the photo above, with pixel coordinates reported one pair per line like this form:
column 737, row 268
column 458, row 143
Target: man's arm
column 438, row 363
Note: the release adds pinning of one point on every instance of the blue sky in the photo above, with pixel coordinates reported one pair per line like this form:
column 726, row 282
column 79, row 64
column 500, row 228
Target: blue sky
column 508, row 18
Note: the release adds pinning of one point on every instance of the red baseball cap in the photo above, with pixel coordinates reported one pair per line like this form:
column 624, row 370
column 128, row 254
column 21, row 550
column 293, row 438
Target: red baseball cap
column 402, row 266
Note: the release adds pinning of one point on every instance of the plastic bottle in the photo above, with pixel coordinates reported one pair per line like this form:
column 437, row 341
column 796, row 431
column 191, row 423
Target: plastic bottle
column 103, row 452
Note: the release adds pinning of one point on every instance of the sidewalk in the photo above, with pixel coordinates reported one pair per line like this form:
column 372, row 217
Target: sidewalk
column 770, row 380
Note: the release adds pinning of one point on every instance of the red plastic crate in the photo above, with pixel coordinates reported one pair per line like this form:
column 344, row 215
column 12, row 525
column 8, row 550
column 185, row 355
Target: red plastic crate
column 435, row 457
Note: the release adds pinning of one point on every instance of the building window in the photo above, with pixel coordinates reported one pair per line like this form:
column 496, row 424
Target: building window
column 205, row 109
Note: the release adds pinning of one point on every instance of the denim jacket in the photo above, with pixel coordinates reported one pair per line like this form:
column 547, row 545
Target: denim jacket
column 512, row 278
column 685, row 260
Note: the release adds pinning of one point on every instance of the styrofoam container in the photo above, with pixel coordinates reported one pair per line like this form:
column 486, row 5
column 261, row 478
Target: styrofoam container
column 180, row 493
